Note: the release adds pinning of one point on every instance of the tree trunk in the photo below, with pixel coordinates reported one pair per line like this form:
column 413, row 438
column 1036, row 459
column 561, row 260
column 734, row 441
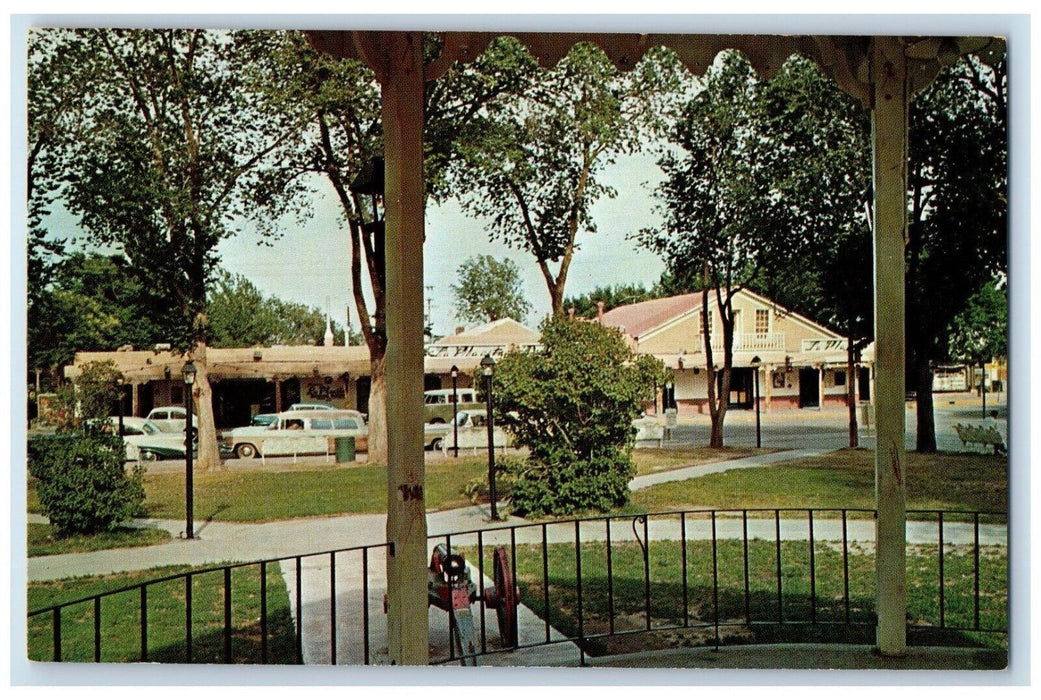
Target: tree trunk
column 925, row 441
column 202, row 394
column 377, row 451
column 851, row 392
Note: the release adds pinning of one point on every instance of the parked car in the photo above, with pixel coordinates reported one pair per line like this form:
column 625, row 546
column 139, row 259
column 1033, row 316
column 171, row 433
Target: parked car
column 297, row 433
column 172, row 419
column 263, row 419
column 472, row 428
column 145, row 441
column 437, row 403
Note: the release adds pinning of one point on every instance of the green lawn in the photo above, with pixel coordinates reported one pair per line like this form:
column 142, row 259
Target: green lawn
column 121, row 621
column 843, row 479
column 621, row 597
column 258, row 496
column 652, row 460
column 42, row 540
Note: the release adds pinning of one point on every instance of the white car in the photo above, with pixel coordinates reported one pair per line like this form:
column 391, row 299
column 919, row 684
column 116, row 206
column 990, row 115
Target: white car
column 297, row 433
column 172, row 419
column 146, row 442
column 311, row 407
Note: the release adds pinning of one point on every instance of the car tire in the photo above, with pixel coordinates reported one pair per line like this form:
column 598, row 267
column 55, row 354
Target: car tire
column 245, row 451
column 437, row 444
column 437, row 421
column 148, row 456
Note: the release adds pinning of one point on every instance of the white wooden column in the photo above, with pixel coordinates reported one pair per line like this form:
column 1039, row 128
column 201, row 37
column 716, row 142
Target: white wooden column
column 402, row 92
column 889, row 146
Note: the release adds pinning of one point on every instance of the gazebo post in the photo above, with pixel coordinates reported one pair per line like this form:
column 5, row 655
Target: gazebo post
column 402, row 92
column 889, row 146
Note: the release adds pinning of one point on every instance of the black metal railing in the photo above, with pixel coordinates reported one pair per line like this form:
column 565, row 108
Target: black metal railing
column 705, row 577
column 225, row 614
column 742, row 576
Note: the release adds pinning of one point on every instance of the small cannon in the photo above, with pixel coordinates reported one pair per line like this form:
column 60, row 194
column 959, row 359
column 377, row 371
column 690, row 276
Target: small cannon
column 449, row 588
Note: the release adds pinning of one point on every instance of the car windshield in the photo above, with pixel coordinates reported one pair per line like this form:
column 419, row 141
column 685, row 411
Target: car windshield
column 149, row 429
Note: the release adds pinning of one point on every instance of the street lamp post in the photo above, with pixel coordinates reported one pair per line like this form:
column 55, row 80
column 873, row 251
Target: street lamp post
column 758, row 432
column 189, row 380
column 487, row 367
column 455, row 410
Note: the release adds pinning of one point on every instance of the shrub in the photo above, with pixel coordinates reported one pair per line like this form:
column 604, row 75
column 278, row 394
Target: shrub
column 79, row 473
column 82, row 484
column 572, row 404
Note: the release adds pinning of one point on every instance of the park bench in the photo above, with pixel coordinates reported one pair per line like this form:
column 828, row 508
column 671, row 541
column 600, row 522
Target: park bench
column 982, row 436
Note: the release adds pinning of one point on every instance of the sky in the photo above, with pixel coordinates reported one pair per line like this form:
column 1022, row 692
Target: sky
column 310, row 263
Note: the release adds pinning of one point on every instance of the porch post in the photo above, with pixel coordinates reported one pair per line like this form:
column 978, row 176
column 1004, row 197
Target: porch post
column 889, row 147
column 402, row 94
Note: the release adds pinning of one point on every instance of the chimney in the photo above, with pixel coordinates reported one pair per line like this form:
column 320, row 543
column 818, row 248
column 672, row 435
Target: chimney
column 600, row 311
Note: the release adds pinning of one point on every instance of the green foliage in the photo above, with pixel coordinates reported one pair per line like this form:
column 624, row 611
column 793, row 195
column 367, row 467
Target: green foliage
column 80, row 478
column 171, row 154
column 585, row 305
column 572, row 405
column 241, row 316
column 980, row 332
column 489, row 290
column 82, row 484
column 94, row 302
column 533, row 166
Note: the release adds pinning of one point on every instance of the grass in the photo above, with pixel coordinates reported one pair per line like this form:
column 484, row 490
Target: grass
column 658, row 618
column 121, row 622
column 260, row 496
column 41, row 540
column 653, row 460
column 842, row 479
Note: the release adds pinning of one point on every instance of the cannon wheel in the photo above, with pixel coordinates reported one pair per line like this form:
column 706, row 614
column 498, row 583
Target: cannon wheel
column 506, row 597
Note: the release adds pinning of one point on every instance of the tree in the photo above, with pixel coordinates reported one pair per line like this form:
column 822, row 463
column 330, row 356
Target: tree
column 175, row 153
column 79, row 473
column 489, row 290
column 572, row 404
column 823, row 171
column 958, row 213
column 241, row 316
column 979, row 333
column 721, row 207
column 93, row 302
column 533, row 167
column 586, row 305
column 340, row 100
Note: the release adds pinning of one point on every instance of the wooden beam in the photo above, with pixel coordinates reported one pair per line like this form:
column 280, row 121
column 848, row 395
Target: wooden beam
column 402, row 92
column 889, row 146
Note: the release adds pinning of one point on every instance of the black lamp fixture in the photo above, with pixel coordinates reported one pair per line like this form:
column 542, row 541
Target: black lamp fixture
column 370, row 181
column 188, row 372
column 487, row 369
column 758, row 432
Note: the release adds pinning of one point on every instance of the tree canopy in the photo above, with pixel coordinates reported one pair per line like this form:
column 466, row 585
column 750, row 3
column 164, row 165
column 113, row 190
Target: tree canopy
column 489, row 290
column 533, row 165
column 242, row 316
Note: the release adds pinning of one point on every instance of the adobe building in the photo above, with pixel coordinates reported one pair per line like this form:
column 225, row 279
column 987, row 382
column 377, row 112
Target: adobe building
column 248, row 381
column 801, row 363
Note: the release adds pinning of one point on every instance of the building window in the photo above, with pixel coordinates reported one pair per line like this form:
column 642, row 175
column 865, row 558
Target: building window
column 762, row 321
column 702, row 322
column 840, row 377
column 176, row 394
